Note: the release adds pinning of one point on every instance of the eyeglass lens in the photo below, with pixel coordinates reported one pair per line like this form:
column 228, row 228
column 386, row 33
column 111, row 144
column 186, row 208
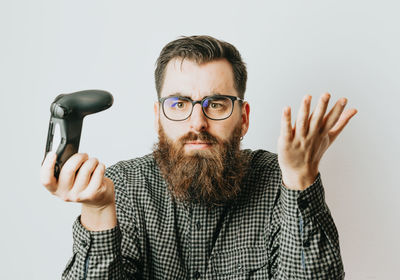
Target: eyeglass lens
column 214, row 107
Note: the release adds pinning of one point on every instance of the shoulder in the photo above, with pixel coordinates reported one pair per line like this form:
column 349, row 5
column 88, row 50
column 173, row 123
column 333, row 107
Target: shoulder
column 263, row 174
column 262, row 160
column 139, row 178
column 132, row 167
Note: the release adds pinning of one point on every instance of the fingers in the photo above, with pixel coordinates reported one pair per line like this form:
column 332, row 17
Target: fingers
column 85, row 173
column 318, row 114
column 81, row 180
column 341, row 123
column 68, row 171
column 47, row 172
column 317, row 122
column 333, row 116
column 95, row 185
column 302, row 117
column 286, row 124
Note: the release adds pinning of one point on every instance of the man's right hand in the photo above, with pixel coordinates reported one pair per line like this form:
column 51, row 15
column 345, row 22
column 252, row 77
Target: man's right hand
column 82, row 180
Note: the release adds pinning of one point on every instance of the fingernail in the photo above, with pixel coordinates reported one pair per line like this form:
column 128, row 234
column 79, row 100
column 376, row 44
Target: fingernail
column 344, row 102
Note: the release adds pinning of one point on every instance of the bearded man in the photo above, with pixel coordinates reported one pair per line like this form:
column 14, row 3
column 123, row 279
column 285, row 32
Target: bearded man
column 199, row 207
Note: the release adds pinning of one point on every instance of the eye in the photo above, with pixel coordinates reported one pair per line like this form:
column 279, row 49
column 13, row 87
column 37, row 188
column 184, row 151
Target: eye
column 215, row 105
column 178, row 104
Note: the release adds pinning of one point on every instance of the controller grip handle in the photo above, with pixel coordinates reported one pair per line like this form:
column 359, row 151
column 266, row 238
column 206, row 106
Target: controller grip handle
column 68, row 111
column 70, row 131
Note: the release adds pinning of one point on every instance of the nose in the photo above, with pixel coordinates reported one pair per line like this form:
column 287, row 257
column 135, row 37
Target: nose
column 198, row 121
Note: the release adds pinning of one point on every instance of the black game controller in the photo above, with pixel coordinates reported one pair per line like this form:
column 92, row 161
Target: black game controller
column 68, row 110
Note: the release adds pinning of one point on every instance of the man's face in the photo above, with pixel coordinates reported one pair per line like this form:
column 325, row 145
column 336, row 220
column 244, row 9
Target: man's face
column 200, row 158
column 196, row 81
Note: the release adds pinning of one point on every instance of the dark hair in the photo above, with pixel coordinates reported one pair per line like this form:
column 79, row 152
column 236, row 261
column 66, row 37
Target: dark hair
column 201, row 49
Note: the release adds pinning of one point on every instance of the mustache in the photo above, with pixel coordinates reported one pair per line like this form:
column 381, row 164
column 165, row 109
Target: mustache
column 203, row 136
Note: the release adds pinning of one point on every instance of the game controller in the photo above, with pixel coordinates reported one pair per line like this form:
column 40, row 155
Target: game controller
column 68, row 111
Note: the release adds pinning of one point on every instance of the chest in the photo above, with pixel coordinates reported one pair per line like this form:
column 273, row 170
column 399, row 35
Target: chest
column 210, row 242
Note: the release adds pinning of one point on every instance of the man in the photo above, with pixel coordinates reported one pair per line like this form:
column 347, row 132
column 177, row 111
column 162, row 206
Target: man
column 199, row 206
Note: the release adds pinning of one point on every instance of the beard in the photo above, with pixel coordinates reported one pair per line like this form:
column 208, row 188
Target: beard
column 211, row 177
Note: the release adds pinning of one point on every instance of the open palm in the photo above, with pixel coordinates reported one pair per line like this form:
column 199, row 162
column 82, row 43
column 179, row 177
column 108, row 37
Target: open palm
column 300, row 148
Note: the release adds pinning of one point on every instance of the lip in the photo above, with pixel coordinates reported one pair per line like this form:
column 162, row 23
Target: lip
column 197, row 142
column 197, row 145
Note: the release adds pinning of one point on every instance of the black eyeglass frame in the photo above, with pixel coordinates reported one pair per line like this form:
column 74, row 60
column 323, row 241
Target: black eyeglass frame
column 194, row 102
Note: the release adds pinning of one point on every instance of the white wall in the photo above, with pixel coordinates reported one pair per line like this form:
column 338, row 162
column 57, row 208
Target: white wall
column 292, row 48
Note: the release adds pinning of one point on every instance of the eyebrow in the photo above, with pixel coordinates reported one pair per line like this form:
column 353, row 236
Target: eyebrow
column 187, row 96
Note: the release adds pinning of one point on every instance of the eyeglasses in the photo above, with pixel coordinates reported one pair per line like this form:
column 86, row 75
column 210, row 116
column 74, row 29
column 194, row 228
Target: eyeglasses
column 216, row 107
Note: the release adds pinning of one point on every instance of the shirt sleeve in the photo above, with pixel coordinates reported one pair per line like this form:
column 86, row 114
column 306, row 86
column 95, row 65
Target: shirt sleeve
column 308, row 238
column 108, row 254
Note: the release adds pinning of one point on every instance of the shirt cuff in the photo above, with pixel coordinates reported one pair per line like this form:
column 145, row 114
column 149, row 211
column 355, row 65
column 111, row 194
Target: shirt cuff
column 308, row 202
column 95, row 242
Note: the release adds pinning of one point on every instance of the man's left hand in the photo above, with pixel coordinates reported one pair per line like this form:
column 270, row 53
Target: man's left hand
column 300, row 148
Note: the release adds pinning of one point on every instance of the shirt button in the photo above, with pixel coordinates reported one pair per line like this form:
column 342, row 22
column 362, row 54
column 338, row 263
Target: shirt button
column 306, row 243
column 303, row 204
column 83, row 243
column 196, row 275
column 198, row 226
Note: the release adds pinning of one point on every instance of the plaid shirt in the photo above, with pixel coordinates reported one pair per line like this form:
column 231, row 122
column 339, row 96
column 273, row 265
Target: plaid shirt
column 269, row 232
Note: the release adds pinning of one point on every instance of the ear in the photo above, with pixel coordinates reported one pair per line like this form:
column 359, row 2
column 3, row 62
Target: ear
column 245, row 117
column 156, row 115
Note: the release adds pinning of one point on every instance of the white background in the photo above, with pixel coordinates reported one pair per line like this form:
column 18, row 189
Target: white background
column 292, row 48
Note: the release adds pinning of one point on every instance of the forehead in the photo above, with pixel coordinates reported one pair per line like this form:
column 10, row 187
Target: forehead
column 188, row 78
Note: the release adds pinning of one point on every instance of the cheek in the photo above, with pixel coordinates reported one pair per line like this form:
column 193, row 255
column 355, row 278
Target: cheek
column 226, row 127
column 222, row 130
column 172, row 130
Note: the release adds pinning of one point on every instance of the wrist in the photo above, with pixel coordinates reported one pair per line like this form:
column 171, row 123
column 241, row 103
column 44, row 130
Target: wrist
column 299, row 180
column 96, row 218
